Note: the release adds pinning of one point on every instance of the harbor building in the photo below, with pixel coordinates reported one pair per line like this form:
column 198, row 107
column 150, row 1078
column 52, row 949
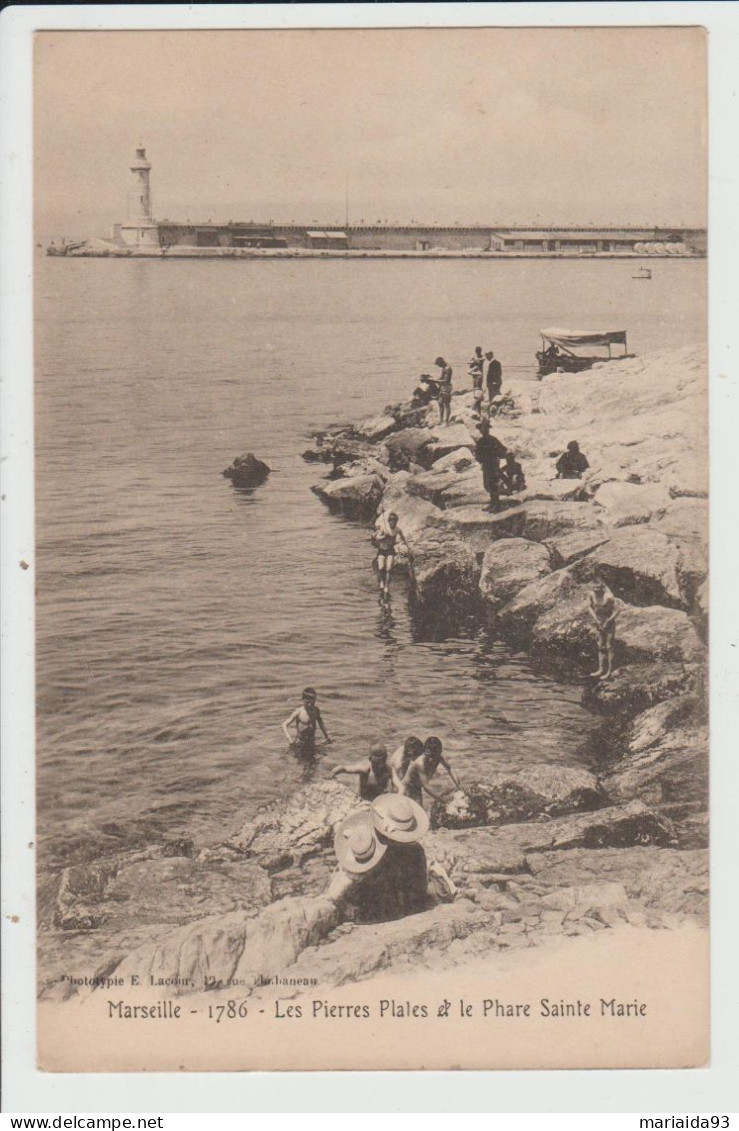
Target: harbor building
column 141, row 234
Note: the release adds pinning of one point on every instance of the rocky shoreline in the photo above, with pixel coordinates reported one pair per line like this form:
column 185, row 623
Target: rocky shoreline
column 536, row 855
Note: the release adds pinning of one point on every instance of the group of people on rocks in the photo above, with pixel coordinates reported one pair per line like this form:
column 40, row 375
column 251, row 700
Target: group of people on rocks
column 383, row 872
column 486, row 373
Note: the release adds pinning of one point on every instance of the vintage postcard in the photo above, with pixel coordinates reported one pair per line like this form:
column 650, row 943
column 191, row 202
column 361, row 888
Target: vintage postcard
column 371, row 549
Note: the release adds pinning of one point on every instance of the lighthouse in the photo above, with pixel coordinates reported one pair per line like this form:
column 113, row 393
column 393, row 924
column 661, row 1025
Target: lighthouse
column 139, row 230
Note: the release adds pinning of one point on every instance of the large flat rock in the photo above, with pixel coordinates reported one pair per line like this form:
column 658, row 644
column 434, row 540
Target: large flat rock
column 628, row 504
column 618, row 826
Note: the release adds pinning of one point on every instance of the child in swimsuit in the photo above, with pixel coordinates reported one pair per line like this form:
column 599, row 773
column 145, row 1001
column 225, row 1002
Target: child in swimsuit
column 604, row 612
column 374, row 773
column 305, row 719
column 386, row 535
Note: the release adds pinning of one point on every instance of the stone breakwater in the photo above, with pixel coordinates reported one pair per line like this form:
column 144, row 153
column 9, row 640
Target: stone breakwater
column 542, row 853
column 638, row 519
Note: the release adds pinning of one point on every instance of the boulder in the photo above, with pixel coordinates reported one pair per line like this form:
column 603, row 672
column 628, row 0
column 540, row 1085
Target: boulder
column 235, row 949
column 479, row 527
column 357, row 497
column 347, row 449
column 666, row 758
column 414, row 513
column 656, row 633
column 519, row 615
column 460, row 459
column 570, row 548
column 445, row 570
column 685, row 519
column 376, row 427
column 365, row 950
column 411, row 415
column 509, row 565
column 289, row 831
column 247, row 471
column 367, row 465
column 556, row 490
column 627, row 504
column 567, row 626
column 406, row 447
column 668, row 880
column 638, row 564
column 465, row 490
column 429, row 485
column 543, row 790
column 548, row 519
column 447, row 439
column 618, row 826
column 636, row 687
column 607, row 903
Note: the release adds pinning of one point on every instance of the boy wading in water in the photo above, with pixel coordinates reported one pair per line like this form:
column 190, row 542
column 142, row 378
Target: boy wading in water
column 305, row 719
column 385, row 537
column 604, row 612
column 373, row 773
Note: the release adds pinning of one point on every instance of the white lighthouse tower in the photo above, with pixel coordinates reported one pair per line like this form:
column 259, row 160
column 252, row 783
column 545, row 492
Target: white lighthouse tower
column 140, row 229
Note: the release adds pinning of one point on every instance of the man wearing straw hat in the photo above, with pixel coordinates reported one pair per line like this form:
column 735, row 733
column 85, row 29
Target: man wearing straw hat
column 384, row 874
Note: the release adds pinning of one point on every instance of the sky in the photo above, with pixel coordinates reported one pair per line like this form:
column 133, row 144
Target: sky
column 498, row 126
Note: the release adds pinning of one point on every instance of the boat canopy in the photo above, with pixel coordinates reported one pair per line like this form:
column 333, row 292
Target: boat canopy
column 571, row 339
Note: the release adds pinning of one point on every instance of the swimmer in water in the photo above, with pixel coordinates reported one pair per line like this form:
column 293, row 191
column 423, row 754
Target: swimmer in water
column 305, row 719
column 373, row 773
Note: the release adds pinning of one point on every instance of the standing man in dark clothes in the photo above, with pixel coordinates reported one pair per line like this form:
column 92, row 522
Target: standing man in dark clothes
column 445, row 390
column 572, row 463
column 511, row 476
column 493, row 376
column 489, row 452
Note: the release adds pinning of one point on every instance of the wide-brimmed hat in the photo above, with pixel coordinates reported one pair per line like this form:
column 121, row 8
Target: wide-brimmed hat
column 357, row 848
column 399, row 818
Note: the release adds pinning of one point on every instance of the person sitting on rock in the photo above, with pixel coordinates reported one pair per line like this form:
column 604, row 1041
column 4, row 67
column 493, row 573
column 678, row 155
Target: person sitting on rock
column 511, row 476
column 602, row 608
column 445, row 390
column 374, row 773
column 488, row 452
column 387, row 532
column 422, row 769
column 384, row 874
column 401, row 759
column 572, row 463
column 426, row 391
column 305, row 719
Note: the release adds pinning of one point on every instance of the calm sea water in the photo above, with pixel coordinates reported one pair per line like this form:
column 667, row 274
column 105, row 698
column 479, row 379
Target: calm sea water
column 178, row 619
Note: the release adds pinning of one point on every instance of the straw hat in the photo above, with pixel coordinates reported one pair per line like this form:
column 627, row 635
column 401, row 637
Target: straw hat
column 357, row 848
column 399, row 818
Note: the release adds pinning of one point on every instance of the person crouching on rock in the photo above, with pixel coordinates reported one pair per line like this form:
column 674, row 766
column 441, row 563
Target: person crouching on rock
column 426, row 391
column 374, row 773
column 572, row 463
column 512, row 478
column 401, row 759
column 421, row 770
column 445, row 390
column 387, row 532
column 488, row 452
column 384, row 873
column 305, row 719
column 604, row 612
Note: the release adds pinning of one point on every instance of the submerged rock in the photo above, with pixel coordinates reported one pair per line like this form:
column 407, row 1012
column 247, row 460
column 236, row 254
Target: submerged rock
column 247, row 471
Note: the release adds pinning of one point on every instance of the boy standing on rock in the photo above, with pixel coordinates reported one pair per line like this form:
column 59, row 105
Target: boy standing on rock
column 445, row 390
column 604, row 612
column 489, row 452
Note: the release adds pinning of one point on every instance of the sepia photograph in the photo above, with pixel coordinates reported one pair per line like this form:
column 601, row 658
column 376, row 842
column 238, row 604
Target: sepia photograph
column 371, row 504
